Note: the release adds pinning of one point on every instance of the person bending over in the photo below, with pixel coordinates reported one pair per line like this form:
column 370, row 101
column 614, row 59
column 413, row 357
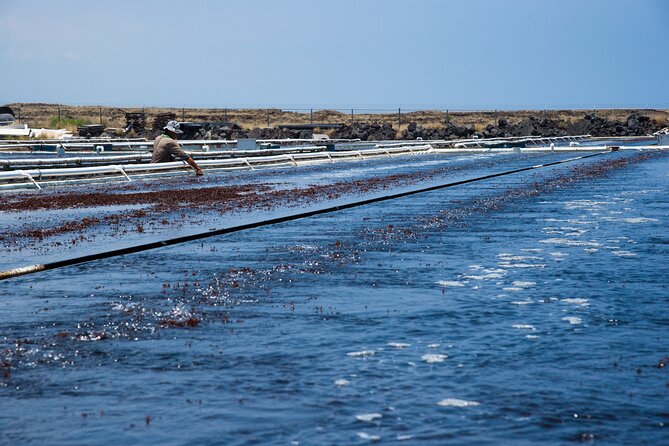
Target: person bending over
column 166, row 148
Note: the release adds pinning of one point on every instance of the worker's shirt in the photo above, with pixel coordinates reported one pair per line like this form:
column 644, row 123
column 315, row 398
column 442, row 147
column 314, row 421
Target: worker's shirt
column 165, row 149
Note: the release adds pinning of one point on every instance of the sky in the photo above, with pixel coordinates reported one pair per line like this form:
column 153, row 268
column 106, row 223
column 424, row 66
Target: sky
column 447, row 54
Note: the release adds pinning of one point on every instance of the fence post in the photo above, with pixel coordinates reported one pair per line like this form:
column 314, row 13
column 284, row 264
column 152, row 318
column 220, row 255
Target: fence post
column 183, row 113
column 58, row 115
column 225, row 115
column 312, row 116
column 399, row 119
column 352, row 121
column 19, row 112
column 448, row 118
column 268, row 118
column 100, row 115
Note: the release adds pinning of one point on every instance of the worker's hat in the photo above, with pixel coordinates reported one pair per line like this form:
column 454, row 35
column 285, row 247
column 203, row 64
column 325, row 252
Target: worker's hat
column 173, row 126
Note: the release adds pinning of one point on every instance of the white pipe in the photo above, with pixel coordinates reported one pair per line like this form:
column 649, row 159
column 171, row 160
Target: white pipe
column 134, row 168
column 187, row 142
column 145, row 157
column 235, row 163
column 32, row 180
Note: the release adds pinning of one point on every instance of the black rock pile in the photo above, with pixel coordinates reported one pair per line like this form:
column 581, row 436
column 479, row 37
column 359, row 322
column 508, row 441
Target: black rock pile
column 135, row 121
column 366, row 132
column 210, row 131
column 415, row 131
column 530, row 126
column 634, row 125
column 161, row 120
column 279, row 133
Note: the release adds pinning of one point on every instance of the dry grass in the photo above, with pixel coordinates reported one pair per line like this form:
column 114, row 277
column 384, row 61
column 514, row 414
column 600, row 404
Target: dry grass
column 41, row 115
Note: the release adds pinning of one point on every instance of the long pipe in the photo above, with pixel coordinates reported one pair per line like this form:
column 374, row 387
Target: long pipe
column 143, row 157
column 15, row 272
column 78, row 144
column 220, row 163
column 519, row 139
column 187, row 142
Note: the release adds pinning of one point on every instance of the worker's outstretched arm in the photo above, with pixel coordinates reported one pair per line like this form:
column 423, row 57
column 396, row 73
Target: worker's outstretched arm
column 194, row 165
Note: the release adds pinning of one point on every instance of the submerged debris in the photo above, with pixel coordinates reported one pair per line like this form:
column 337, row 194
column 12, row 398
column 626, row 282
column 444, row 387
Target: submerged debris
column 190, row 322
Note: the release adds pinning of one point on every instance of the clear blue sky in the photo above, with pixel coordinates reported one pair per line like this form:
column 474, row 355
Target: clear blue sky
column 466, row 54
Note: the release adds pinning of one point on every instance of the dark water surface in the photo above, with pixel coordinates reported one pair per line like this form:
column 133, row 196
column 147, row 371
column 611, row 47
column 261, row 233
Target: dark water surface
column 480, row 314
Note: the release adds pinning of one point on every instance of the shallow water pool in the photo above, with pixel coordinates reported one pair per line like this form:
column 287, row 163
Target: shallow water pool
column 526, row 309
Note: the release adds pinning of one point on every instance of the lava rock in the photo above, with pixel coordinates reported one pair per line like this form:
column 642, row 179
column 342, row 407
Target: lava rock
column 366, row 132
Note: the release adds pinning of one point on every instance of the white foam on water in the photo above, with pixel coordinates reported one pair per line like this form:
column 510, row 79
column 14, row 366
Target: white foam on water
column 488, row 274
column 532, row 336
column 181, row 311
column 573, row 228
column 451, row 283
column 514, row 257
column 532, row 249
column 485, row 276
column 576, row 301
column 434, row 345
column 342, row 382
column 513, row 288
column 640, row 192
column 366, row 436
column 404, row 437
column 522, row 265
column 573, row 320
column 433, row 357
column 368, row 417
column 569, row 242
column 521, row 302
column 494, row 270
column 125, row 307
column 559, row 254
column 523, row 284
column 586, row 204
column 634, row 220
column 361, row 354
column 454, row 402
column 623, row 253
column 398, row 345
column 590, row 250
column 524, row 327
